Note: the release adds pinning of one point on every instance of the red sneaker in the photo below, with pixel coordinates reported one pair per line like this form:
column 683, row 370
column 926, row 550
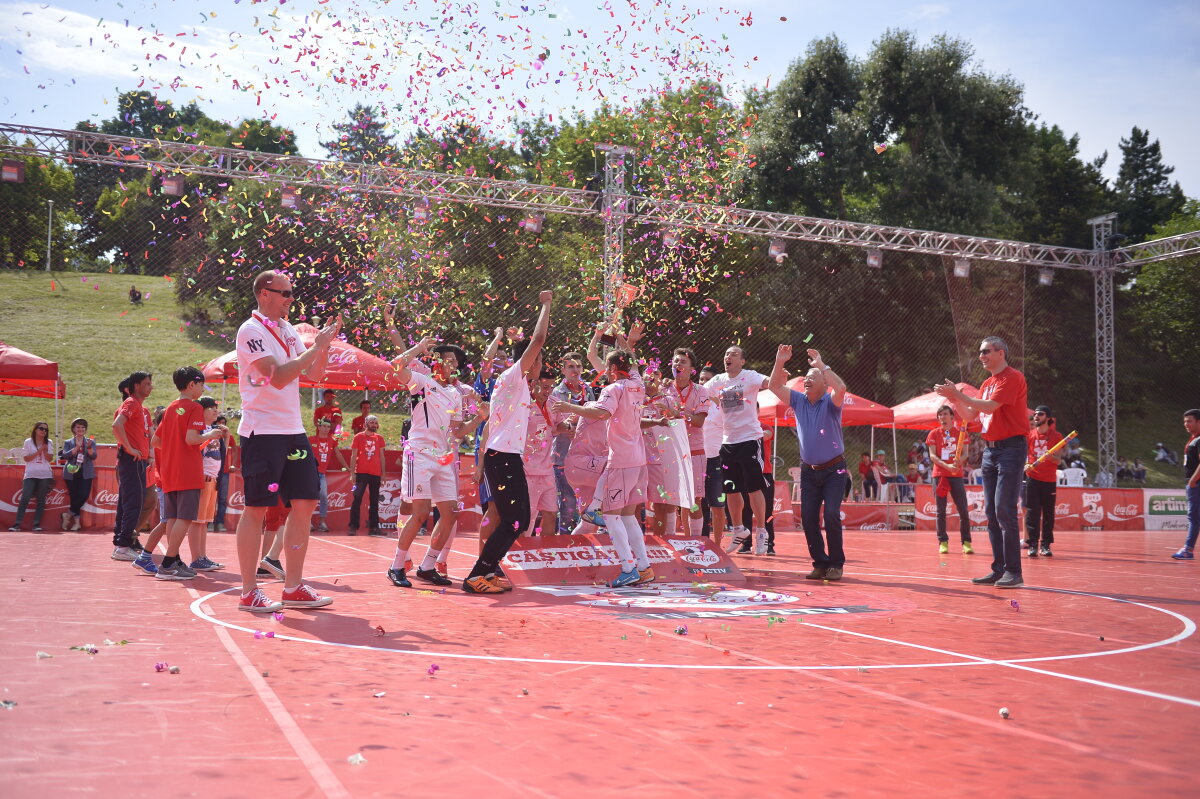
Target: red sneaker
column 256, row 602
column 304, row 597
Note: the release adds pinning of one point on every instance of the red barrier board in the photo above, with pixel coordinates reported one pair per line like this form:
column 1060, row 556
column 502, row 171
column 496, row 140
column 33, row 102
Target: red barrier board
column 591, row 560
column 1077, row 508
column 860, row 516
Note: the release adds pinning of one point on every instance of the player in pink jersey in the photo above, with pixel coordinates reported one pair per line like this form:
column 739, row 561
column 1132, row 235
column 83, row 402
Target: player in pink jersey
column 620, row 404
column 694, row 403
column 544, row 424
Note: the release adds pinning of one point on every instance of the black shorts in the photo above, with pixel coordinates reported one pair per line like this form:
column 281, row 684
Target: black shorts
column 714, row 483
column 278, row 467
column 742, row 466
column 184, row 505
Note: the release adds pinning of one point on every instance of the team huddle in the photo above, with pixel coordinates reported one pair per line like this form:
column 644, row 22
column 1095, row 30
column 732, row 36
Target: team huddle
column 681, row 452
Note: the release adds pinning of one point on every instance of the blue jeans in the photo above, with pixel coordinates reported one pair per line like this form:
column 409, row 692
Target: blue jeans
column 1193, row 515
column 323, row 498
column 568, row 508
column 34, row 488
column 222, row 498
column 823, row 486
column 1003, row 476
column 131, row 482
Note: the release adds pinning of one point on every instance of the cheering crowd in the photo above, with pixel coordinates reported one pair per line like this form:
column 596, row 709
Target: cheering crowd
column 631, row 444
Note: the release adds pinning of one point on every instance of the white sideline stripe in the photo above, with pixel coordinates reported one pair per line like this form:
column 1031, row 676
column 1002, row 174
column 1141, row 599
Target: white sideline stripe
column 318, row 769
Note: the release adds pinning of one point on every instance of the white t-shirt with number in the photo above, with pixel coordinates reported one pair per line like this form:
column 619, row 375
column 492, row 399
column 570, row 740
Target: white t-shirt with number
column 267, row 410
column 435, row 410
column 509, row 421
column 737, row 399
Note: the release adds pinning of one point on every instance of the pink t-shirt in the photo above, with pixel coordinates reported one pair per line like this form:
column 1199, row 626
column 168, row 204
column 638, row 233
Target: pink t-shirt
column 694, row 399
column 591, row 437
column 539, row 439
column 623, row 399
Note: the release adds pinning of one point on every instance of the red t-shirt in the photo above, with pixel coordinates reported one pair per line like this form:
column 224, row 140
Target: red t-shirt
column 944, row 444
column 369, row 447
column 1039, row 445
column 358, row 424
column 323, row 448
column 1007, row 388
column 332, row 413
column 182, row 465
column 137, row 423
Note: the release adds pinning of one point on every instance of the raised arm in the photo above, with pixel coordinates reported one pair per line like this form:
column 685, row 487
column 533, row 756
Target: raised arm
column 540, row 330
column 831, row 377
column 968, row 408
column 593, row 350
column 489, row 355
column 778, row 382
column 311, row 362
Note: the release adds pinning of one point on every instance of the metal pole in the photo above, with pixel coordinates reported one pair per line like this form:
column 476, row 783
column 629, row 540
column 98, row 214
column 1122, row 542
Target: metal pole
column 1106, row 372
column 49, row 226
column 615, row 208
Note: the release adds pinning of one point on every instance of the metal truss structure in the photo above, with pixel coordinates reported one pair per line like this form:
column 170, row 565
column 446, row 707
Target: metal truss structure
column 618, row 209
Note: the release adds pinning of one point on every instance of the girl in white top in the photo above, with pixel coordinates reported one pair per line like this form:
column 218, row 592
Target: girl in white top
column 38, row 452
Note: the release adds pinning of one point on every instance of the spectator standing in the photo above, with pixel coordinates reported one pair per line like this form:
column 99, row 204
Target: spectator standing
column 325, row 448
column 1001, row 408
column 131, row 429
column 1041, row 484
column 1191, row 472
column 79, row 471
column 226, row 443
column 38, row 452
column 328, row 409
column 211, row 467
column 359, row 423
column 948, row 477
column 367, row 463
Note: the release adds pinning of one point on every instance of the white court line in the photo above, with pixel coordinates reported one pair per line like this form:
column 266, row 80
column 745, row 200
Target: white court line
column 318, row 769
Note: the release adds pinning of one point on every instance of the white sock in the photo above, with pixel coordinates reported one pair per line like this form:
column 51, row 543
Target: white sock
column 616, row 531
column 430, row 560
column 400, row 559
column 697, row 526
column 670, row 521
column 637, row 541
column 598, row 495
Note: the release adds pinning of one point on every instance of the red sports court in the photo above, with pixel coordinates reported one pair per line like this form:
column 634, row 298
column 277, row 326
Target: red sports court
column 889, row 683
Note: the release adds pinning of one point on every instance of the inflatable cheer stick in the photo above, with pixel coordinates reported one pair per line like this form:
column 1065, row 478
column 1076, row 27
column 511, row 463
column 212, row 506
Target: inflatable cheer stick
column 958, row 449
column 1054, row 449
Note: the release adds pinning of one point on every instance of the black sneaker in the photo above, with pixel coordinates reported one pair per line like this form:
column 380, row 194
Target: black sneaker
column 399, row 579
column 352, row 531
column 745, row 548
column 432, row 576
column 1046, row 553
column 263, row 573
column 770, row 549
column 1010, row 580
column 273, row 567
column 1033, row 552
column 136, row 546
column 987, row 579
column 375, row 531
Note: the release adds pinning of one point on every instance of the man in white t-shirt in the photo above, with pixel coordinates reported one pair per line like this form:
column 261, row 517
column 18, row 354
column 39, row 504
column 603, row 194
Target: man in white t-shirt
column 277, row 460
column 735, row 394
column 430, row 475
column 502, row 464
column 694, row 408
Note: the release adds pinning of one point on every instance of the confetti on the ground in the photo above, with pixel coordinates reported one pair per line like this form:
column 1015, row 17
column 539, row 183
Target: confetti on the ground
column 91, row 650
column 381, row 695
column 7, row 704
column 42, row 655
column 356, row 759
column 433, row 669
column 259, row 634
column 681, row 630
column 1003, row 712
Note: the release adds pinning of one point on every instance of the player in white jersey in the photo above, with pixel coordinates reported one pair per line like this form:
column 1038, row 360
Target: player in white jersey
column 693, row 402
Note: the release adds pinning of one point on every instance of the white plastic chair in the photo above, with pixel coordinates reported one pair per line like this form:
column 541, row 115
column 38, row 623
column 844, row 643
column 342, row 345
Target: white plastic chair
column 1062, row 477
column 1074, row 477
column 15, row 455
column 794, row 476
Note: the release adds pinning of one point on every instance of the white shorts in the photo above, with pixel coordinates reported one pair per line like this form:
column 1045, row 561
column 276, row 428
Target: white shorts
column 423, row 477
column 582, row 473
column 623, row 487
column 543, row 494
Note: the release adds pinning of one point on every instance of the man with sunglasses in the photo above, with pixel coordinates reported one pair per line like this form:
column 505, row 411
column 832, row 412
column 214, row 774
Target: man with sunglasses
column 277, row 460
column 1000, row 408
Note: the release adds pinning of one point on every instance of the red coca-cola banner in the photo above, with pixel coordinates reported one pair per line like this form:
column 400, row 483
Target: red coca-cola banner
column 1077, row 508
column 859, row 516
column 591, row 560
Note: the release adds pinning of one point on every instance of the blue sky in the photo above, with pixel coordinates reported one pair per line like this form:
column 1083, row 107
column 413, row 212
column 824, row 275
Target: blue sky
column 1095, row 68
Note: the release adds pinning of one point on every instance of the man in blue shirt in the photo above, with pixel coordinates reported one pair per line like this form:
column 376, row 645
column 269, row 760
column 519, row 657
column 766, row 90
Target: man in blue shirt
column 823, row 472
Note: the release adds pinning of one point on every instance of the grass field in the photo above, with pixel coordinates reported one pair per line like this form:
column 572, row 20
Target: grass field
column 86, row 324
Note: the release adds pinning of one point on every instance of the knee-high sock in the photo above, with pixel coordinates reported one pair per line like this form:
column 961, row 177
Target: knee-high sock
column 670, row 522
column 697, row 526
column 598, row 494
column 620, row 540
column 637, row 541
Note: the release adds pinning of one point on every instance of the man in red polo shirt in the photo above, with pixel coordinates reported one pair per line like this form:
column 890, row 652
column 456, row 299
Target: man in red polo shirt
column 1041, row 483
column 1000, row 408
column 328, row 410
column 366, row 461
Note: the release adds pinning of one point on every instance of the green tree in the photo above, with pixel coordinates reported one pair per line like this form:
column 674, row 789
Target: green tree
column 1145, row 196
column 363, row 138
column 24, row 214
column 1167, row 296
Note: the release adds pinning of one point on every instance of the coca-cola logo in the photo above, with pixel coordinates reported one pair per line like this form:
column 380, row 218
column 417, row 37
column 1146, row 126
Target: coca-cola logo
column 930, row 508
column 338, row 500
column 104, row 497
column 1125, row 511
column 1062, row 510
column 873, row 526
column 54, row 498
column 237, row 499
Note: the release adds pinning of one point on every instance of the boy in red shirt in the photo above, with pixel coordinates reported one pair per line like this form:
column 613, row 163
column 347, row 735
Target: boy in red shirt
column 942, row 443
column 328, row 410
column 1041, row 483
column 366, row 460
column 325, row 448
column 181, row 470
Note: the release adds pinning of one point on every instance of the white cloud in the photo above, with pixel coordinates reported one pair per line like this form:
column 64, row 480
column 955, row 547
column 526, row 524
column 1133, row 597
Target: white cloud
column 931, row 11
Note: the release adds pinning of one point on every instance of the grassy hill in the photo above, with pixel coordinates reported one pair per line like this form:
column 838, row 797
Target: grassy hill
column 86, row 323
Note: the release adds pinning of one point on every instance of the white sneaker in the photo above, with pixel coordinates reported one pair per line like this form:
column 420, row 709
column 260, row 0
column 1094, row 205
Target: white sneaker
column 737, row 537
column 124, row 553
column 760, row 542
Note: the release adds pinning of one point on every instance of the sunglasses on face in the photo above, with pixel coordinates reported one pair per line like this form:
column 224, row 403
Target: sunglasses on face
column 285, row 293
column 986, row 352
column 46, row 429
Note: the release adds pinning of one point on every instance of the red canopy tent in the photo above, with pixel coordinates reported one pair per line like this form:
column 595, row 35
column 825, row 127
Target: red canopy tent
column 920, row 413
column 26, row 375
column 856, row 410
column 350, row 368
